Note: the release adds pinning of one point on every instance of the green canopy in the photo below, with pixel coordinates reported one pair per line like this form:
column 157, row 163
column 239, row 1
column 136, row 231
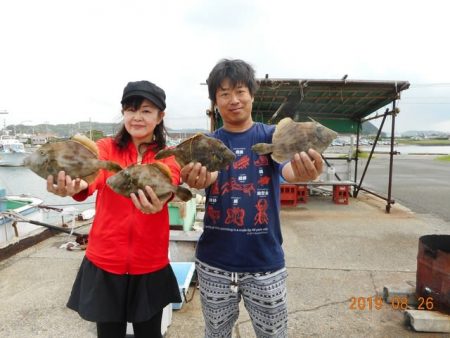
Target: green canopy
column 338, row 104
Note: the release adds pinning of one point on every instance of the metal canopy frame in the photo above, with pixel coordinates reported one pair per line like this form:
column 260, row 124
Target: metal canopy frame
column 342, row 105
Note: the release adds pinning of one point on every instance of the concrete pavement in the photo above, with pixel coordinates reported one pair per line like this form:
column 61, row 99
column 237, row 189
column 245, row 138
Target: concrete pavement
column 333, row 253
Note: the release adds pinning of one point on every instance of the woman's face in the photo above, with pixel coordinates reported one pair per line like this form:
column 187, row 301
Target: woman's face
column 140, row 123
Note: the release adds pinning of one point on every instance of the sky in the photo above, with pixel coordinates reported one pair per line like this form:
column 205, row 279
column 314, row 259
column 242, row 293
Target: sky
column 68, row 61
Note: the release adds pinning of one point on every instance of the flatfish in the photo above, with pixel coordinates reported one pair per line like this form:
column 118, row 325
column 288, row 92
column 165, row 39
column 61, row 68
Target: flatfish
column 293, row 137
column 78, row 157
column 209, row 151
column 156, row 175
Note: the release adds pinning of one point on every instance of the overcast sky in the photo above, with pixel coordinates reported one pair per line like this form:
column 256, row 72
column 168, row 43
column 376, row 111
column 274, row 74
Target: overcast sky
column 68, row 61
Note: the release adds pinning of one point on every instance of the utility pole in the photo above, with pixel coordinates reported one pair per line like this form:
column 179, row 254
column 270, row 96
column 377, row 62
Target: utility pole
column 4, row 121
column 90, row 128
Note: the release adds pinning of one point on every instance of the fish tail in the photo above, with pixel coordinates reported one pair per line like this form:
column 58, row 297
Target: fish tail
column 262, row 148
column 89, row 179
column 111, row 166
column 183, row 193
column 164, row 153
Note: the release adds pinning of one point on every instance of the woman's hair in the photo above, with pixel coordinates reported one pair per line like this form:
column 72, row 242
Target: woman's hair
column 237, row 71
column 159, row 134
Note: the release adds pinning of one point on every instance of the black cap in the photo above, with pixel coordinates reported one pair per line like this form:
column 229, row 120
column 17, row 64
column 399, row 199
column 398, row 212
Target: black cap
column 146, row 89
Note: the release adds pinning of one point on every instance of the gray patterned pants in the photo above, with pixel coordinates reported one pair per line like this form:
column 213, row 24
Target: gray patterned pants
column 264, row 297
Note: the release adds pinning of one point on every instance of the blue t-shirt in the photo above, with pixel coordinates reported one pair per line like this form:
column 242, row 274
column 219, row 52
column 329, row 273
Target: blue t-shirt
column 242, row 224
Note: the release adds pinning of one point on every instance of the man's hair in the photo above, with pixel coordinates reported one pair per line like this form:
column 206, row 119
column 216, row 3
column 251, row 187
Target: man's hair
column 237, row 71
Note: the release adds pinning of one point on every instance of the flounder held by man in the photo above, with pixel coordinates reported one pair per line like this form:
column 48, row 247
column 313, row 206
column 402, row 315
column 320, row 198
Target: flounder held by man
column 209, row 151
column 293, row 137
column 78, row 157
column 156, row 175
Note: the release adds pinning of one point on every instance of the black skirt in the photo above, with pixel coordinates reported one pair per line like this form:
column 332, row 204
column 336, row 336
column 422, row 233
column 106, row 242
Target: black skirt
column 100, row 296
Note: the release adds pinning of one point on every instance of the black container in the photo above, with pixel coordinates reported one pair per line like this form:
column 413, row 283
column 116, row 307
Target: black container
column 433, row 272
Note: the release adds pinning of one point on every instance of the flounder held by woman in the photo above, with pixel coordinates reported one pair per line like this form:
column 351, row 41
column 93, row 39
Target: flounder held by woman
column 156, row 175
column 77, row 157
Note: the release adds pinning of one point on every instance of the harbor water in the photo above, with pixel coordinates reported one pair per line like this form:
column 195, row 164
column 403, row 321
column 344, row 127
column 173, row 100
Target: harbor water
column 22, row 181
column 412, row 149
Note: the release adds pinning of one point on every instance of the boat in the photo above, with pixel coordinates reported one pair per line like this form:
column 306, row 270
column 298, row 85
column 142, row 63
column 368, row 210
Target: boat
column 12, row 151
column 18, row 207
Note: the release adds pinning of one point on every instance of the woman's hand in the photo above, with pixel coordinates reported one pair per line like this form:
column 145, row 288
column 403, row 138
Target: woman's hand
column 65, row 185
column 145, row 205
column 196, row 176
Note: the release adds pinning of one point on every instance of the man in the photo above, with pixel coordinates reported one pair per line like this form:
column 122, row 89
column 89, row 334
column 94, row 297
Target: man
column 239, row 254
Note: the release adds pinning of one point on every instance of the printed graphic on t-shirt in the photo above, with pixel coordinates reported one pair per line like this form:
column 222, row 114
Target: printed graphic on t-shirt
column 215, row 188
column 264, row 180
column 235, row 216
column 240, row 195
column 262, row 192
column 232, row 185
column 261, row 216
column 261, row 161
column 242, row 163
column 213, row 214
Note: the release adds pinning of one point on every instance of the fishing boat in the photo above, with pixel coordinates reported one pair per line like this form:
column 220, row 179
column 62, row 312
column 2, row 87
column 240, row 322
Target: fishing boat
column 18, row 207
column 12, row 151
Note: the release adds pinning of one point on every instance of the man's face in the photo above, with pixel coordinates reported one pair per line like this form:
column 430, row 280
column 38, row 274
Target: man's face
column 235, row 105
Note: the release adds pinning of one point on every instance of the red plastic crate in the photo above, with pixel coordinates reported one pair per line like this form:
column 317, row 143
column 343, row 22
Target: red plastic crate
column 288, row 194
column 302, row 193
column 340, row 194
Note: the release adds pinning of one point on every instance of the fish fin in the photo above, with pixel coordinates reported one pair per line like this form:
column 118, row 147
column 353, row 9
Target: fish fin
column 107, row 165
column 165, row 153
column 262, row 148
column 284, row 122
column 164, row 196
column 192, row 138
column 90, row 178
column 163, row 168
column 283, row 127
column 112, row 166
column 87, row 142
column 183, row 194
column 277, row 159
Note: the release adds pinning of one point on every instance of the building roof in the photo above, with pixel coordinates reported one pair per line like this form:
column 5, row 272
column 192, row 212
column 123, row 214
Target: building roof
column 338, row 104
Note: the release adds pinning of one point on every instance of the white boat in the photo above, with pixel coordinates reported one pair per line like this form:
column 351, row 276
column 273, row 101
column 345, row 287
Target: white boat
column 12, row 151
column 16, row 207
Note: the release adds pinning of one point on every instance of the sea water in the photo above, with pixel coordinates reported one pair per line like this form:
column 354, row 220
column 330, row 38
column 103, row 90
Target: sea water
column 21, row 180
column 412, row 149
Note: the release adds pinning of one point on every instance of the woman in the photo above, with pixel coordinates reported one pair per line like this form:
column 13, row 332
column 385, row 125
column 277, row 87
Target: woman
column 125, row 275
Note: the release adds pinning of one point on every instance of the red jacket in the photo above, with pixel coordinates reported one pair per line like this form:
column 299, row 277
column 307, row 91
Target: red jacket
column 123, row 239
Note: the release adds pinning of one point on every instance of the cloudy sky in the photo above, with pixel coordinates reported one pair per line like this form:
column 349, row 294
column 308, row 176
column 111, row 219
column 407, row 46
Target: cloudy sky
column 68, row 61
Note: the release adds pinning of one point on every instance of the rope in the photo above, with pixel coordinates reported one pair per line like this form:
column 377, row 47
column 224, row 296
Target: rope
column 13, row 215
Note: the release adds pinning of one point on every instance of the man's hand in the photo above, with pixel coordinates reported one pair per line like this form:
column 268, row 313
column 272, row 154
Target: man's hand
column 304, row 167
column 65, row 185
column 196, row 176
